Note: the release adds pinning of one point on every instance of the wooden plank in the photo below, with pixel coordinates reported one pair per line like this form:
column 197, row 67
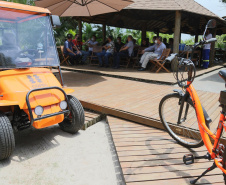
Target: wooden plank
column 207, row 180
column 168, row 175
column 147, row 160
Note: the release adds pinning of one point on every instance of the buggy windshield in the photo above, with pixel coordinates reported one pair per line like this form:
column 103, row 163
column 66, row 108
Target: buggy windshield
column 26, row 40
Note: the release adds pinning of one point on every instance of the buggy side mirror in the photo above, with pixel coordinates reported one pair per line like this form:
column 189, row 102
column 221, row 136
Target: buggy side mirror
column 55, row 19
column 211, row 23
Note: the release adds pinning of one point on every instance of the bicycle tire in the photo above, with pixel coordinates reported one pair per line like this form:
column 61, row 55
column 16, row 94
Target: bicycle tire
column 224, row 164
column 169, row 126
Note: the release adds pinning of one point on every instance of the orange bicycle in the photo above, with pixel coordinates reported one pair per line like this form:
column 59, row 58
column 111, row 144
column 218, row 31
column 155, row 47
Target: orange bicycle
column 180, row 111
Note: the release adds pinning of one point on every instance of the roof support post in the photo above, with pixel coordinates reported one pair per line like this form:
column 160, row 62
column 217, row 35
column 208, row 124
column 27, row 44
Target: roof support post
column 196, row 38
column 80, row 28
column 177, row 32
column 104, row 32
column 212, row 50
column 144, row 32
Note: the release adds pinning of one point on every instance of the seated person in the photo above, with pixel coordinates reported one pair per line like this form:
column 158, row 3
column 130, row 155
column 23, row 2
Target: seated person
column 78, row 43
column 144, row 43
column 68, row 49
column 153, row 41
column 165, row 42
column 118, row 44
column 148, row 54
column 108, row 51
column 125, row 51
column 135, row 43
column 171, row 44
column 92, row 43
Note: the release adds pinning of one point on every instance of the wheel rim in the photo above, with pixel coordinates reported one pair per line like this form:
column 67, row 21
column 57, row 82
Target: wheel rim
column 186, row 131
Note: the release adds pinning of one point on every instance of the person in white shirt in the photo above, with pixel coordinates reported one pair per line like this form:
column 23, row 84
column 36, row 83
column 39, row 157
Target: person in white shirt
column 92, row 43
column 206, row 50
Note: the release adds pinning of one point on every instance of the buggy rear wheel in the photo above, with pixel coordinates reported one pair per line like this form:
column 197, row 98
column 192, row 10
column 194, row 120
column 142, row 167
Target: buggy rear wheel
column 75, row 120
column 7, row 140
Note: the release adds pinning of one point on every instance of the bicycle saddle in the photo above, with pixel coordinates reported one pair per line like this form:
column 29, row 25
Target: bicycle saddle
column 222, row 74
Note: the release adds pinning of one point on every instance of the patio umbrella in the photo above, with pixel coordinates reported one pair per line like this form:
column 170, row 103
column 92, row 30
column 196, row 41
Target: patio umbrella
column 82, row 8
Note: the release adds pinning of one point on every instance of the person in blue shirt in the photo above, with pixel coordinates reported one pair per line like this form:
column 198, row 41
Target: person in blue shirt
column 68, row 49
column 125, row 51
column 152, row 52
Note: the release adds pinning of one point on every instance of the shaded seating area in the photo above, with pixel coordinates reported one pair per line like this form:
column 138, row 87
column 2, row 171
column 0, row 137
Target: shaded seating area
column 151, row 15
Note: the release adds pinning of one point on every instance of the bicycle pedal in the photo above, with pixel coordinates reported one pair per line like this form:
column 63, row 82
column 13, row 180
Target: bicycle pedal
column 188, row 159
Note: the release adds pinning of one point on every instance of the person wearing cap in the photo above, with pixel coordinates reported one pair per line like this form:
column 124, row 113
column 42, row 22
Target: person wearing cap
column 152, row 52
column 68, row 49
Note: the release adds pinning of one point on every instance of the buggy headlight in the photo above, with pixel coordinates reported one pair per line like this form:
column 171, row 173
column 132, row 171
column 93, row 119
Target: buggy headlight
column 63, row 105
column 39, row 110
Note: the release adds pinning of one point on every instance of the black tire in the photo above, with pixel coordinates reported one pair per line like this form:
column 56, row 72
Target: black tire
column 7, row 140
column 74, row 122
column 180, row 138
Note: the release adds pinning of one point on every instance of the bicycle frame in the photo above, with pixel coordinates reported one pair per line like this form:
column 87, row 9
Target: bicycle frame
column 204, row 130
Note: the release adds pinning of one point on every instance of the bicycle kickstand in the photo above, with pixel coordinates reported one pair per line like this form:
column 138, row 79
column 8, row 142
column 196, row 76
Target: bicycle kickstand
column 204, row 173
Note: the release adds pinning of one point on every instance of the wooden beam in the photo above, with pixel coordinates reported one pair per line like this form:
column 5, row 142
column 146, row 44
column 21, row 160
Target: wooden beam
column 104, row 32
column 212, row 51
column 177, row 32
column 80, row 28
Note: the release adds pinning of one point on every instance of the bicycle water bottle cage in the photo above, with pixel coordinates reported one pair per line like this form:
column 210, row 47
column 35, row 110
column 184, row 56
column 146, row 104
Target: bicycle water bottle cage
column 185, row 73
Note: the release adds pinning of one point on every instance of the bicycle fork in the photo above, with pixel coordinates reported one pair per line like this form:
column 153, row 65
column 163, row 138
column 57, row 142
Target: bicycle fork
column 182, row 102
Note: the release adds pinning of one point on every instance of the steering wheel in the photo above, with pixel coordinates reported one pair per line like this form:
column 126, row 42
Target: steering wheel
column 21, row 54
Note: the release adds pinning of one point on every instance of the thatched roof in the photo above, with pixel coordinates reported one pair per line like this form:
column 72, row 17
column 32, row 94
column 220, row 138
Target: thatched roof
column 159, row 15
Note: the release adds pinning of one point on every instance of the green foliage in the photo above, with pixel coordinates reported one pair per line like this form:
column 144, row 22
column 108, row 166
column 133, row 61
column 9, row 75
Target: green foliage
column 221, row 41
column 68, row 25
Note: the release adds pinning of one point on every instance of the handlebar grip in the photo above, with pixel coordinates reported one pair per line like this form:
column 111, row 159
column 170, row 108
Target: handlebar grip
column 211, row 40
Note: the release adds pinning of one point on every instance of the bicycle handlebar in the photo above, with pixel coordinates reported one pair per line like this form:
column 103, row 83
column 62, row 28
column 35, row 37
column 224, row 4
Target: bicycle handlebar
column 188, row 63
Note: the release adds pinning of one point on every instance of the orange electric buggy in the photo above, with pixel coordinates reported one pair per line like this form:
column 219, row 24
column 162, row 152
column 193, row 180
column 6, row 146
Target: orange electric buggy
column 30, row 95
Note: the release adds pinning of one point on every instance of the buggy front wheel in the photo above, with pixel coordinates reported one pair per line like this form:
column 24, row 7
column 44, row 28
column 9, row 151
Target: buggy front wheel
column 7, row 140
column 75, row 120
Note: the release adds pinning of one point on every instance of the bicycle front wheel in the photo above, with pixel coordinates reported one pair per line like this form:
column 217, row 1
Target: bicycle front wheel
column 183, row 129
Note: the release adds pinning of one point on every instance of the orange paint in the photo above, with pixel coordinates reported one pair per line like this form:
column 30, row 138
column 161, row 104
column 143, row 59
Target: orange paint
column 15, row 84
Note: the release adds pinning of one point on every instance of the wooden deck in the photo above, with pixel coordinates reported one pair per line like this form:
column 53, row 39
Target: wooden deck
column 131, row 100
column 133, row 74
column 149, row 156
column 91, row 118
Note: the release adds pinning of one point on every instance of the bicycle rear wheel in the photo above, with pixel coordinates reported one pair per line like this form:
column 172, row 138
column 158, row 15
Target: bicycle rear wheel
column 185, row 131
column 224, row 163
